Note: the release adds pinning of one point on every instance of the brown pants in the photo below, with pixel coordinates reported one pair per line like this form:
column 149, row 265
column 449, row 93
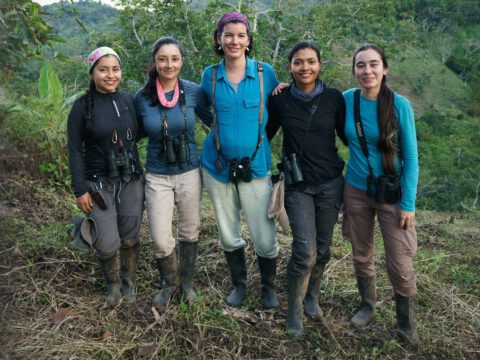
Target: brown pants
column 400, row 245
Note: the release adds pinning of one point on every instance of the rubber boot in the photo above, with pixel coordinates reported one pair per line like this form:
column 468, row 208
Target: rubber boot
column 297, row 288
column 268, row 272
column 238, row 271
column 167, row 267
column 111, row 272
column 129, row 258
column 366, row 311
column 188, row 256
column 310, row 303
column 406, row 324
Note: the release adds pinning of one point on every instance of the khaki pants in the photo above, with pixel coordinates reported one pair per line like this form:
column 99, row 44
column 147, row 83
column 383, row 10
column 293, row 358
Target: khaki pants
column 162, row 193
column 400, row 245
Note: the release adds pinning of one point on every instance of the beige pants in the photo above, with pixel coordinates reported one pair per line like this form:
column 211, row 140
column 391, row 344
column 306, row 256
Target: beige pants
column 162, row 194
column 400, row 245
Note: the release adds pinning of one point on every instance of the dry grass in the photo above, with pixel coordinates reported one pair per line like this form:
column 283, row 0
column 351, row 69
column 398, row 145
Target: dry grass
column 40, row 274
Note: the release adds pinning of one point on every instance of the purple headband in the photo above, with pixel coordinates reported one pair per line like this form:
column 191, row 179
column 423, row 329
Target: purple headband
column 230, row 17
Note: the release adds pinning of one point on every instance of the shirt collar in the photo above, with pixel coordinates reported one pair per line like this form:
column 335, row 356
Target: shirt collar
column 250, row 71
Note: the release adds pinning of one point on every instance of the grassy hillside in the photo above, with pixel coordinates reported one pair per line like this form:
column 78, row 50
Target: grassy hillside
column 53, row 305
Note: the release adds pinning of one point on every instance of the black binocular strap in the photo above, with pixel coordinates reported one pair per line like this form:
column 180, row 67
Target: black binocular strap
column 183, row 105
column 359, row 128
column 313, row 110
column 260, row 111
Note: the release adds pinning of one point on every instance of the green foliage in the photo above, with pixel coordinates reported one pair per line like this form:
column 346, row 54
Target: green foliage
column 23, row 33
column 37, row 126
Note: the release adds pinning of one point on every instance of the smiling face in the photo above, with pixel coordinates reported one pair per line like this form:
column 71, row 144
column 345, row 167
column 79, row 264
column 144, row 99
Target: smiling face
column 234, row 40
column 369, row 70
column 168, row 63
column 305, row 67
column 107, row 74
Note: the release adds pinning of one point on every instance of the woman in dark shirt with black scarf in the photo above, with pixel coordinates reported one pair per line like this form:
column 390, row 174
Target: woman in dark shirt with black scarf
column 309, row 113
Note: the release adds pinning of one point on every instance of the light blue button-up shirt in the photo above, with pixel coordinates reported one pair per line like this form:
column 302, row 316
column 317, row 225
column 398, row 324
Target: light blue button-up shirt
column 238, row 120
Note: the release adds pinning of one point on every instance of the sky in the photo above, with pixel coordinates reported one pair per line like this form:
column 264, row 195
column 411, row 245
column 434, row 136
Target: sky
column 47, row 2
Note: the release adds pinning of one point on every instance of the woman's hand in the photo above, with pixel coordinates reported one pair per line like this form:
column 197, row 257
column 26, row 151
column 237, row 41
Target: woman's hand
column 407, row 219
column 279, row 88
column 85, row 203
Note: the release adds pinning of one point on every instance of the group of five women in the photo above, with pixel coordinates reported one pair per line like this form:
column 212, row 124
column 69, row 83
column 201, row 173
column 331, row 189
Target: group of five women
column 234, row 100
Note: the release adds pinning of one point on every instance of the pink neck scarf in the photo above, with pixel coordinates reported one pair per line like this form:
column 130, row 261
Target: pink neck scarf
column 163, row 99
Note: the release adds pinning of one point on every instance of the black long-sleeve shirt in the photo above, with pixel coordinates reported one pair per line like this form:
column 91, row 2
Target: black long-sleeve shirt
column 90, row 141
column 319, row 161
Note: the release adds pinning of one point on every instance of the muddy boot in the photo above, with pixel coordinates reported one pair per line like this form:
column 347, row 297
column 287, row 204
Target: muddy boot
column 111, row 272
column 366, row 311
column 268, row 272
column 167, row 267
column 129, row 258
column 297, row 288
column 238, row 271
column 407, row 327
column 188, row 256
column 312, row 308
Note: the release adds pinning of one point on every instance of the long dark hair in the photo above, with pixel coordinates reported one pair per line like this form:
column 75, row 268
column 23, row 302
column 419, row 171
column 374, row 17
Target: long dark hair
column 387, row 120
column 150, row 88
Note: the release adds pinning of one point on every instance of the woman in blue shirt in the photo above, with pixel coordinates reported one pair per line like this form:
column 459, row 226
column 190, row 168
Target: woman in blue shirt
column 236, row 155
column 381, row 179
column 166, row 106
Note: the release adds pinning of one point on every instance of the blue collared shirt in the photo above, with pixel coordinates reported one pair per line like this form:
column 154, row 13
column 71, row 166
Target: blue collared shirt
column 238, row 120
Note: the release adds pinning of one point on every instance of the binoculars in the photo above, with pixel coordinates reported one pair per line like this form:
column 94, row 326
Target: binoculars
column 291, row 170
column 175, row 148
column 240, row 171
column 384, row 189
column 120, row 166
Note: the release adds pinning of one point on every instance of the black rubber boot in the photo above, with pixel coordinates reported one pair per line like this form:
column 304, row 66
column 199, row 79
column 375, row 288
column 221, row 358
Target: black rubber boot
column 129, row 258
column 188, row 256
column 366, row 311
column 407, row 327
column 111, row 272
column 238, row 271
column 312, row 308
column 167, row 267
column 268, row 272
column 297, row 288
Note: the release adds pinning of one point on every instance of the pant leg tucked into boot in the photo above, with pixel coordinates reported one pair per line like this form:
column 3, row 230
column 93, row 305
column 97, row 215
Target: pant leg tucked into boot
column 366, row 311
column 188, row 257
column 167, row 268
column 111, row 272
column 407, row 327
column 312, row 308
column 297, row 288
column 268, row 272
column 129, row 259
column 238, row 271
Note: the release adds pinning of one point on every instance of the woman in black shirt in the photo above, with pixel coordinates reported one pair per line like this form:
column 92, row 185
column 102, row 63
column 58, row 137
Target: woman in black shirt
column 106, row 173
column 309, row 113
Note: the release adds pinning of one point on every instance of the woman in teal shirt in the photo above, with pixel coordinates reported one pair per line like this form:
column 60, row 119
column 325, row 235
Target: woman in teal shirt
column 236, row 158
column 381, row 180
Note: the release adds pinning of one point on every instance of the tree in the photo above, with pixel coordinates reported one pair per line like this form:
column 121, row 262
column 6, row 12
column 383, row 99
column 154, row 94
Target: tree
column 23, row 33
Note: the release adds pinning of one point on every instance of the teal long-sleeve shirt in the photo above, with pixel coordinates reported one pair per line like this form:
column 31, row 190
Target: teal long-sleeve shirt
column 407, row 164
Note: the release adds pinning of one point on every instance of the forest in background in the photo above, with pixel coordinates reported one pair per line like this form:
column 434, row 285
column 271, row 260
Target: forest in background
column 51, row 304
column 433, row 46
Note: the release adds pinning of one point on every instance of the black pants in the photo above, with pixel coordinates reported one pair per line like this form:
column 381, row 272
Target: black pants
column 312, row 212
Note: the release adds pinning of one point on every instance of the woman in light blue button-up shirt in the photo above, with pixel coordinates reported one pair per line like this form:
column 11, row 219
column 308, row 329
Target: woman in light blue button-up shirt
column 236, row 157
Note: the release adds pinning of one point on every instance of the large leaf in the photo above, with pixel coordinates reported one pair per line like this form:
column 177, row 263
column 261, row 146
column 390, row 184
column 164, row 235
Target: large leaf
column 49, row 86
